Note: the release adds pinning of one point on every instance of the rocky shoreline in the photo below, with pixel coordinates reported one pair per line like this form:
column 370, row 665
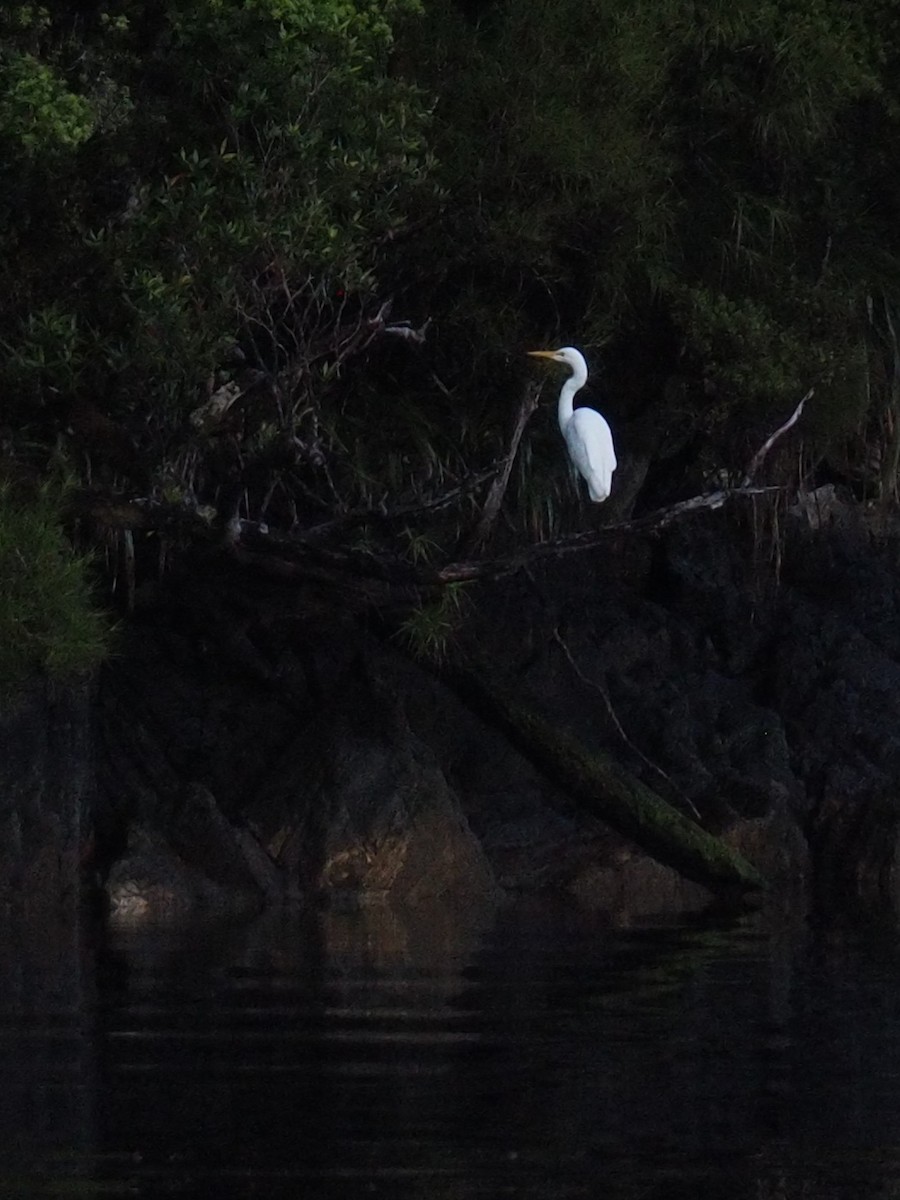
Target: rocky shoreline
column 247, row 749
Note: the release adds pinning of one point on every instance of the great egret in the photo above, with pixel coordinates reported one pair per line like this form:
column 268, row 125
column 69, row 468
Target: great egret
column 587, row 436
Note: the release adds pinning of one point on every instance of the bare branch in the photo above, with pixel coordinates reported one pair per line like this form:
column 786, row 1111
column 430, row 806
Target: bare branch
column 404, row 512
column 124, row 512
column 404, row 329
column 462, row 572
column 302, row 549
column 757, row 460
column 497, row 491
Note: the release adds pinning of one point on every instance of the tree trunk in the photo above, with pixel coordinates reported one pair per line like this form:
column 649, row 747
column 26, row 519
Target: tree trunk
column 602, row 787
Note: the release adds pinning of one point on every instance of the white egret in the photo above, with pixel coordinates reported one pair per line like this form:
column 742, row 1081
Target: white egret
column 586, row 433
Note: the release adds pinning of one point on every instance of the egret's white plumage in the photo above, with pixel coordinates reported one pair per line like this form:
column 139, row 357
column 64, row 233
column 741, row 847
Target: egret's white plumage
column 587, row 436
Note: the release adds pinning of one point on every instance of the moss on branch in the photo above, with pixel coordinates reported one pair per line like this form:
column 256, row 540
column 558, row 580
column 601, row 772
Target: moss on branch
column 602, row 787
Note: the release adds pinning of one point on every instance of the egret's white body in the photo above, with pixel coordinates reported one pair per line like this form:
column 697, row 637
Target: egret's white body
column 586, row 433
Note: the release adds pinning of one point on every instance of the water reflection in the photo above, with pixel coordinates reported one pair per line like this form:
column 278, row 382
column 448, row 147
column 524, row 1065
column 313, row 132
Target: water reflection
column 46, row 1054
column 531, row 1053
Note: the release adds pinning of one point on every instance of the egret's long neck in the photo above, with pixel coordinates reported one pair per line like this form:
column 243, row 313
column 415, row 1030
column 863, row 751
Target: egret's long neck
column 573, row 384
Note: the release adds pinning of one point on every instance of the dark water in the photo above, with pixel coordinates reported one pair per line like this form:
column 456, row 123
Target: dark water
column 535, row 1054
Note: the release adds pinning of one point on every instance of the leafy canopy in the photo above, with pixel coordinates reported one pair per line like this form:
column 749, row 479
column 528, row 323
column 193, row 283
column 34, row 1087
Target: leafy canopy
column 204, row 205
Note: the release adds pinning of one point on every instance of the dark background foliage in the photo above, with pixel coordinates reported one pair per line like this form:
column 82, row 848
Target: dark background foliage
column 211, row 212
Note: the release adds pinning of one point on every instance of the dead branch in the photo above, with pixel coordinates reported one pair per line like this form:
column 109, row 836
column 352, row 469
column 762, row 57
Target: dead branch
column 757, row 460
column 121, row 512
column 385, row 517
column 351, row 340
column 463, row 572
column 491, row 508
column 293, row 555
column 299, row 551
column 891, row 460
column 124, row 512
column 404, row 330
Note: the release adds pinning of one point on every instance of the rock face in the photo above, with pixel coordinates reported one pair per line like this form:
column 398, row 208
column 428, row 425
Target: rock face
column 834, row 675
column 190, row 855
column 359, row 805
column 46, row 796
column 276, row 748
column 269, row 770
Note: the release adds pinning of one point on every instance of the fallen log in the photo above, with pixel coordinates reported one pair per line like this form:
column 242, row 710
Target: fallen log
column 601, row 786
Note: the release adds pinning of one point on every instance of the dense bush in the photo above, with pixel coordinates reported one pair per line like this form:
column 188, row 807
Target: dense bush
column 704, row 195
column 48, row 621
column 190, row 187
column 205, row 205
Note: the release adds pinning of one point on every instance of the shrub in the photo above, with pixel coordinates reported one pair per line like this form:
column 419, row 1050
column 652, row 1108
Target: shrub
column 49, row 623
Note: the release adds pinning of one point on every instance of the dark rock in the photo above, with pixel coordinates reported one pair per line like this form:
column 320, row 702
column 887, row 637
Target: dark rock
column 762, row 698
column 46, row 795
column 151, row 880
column 834, row 677
column 359, row 807
column 228, row 855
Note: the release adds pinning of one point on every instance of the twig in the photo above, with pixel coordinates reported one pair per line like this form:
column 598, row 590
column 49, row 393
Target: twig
column 598, row 687
column 442, row 387
column 404, row 512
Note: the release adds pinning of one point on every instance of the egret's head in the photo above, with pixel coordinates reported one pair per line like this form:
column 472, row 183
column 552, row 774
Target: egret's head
column 568, row 355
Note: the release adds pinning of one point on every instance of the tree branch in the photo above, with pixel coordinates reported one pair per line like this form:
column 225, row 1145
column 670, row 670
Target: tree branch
column 757, row 460
column 491, row 508
column 462, row 572
column 598, row 784
column 306, row 550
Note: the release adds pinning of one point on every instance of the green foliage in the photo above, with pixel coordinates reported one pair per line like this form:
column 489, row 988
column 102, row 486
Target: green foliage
column 219, row 194
column 269, row 154
column 49, row 624
column 420, row 548
column 37, row 111
column 428, row 632
column 693, row 188
column 765, row 348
